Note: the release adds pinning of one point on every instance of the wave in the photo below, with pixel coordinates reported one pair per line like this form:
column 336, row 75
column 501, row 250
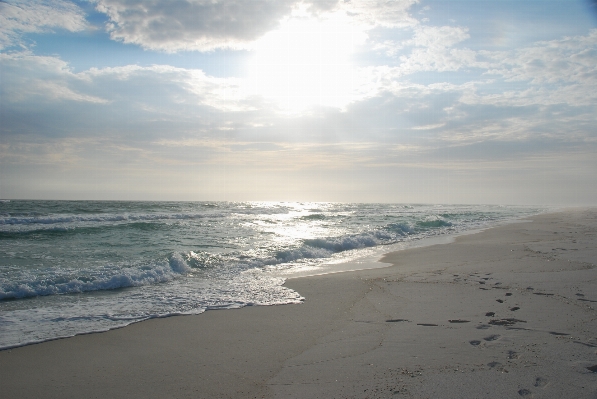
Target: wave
column 327, row 246
column 23, row 233
column 340, row 244
column 57, row 281
column 433, row 223
column 388, row 234
column 61, row 281
column 314, row 216
column 402, row 229
column 49, row 230
column 63, row 219
column 305, row 252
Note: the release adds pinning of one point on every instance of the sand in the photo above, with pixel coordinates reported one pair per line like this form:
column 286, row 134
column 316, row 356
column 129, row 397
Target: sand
column 505, row 313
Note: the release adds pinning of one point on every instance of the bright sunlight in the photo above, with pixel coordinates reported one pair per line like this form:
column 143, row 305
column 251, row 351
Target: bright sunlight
column 306, row 63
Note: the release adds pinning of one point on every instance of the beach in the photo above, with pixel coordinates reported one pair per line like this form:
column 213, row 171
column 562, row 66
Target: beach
column 508, row 312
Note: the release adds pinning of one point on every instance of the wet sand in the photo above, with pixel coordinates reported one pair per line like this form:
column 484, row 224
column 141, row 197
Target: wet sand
column 509, row 312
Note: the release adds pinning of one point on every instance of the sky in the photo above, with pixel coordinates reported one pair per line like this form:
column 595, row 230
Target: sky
column 403, row 101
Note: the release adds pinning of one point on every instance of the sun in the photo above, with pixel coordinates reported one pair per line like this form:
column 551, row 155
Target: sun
column 307, row 62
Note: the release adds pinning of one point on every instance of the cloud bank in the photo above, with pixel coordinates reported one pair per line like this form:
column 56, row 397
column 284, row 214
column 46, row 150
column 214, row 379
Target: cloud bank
column 205, row 25
column 18, row 17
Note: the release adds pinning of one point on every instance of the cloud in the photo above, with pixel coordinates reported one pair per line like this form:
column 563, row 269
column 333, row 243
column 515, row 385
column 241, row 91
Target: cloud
column 431, row 48
column 384, row 13
column 549, row 72
column 546, row 73
column 171, row 87
column 438, row 37
column 568, row 60
column 182, row 25
column 43, row 95
column 45, row 78
column 18, row 17
column 204, row 25
column 433, row 38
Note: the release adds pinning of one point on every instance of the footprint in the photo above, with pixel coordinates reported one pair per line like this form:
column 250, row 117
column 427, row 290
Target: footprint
column 585, row 344
column 592, row 368
column 540, row 382
column 427, row 324
column 514, row 309
column 396, row 320
column 524, row 392
column 512, row 355
column 500, row 300
column 491, row 337
column 542, row 293
column 482, row 327
column 579, row 294
column 494, row 364
column 505, row 322
column 586, row 300
column 490, row 314
column 474, row 342
column 459, row 321
column 557, row 333
column 508, row 294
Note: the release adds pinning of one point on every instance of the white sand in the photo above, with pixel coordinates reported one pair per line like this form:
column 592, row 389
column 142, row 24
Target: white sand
column 346, row 340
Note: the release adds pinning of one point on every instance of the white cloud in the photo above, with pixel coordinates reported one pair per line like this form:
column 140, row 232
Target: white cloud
column 550, row 64
column 429, row 127
column 18, row 17
column 165, row 101
column 192, row 24
column 431, row 48
column 432, row 38
column 50, row 78
column 386, row 13
column 546, row 73
column 568, row 60
column 438, row 37
column 45, row 78
column 204, row 25
column 439, row 60
column 171, row 86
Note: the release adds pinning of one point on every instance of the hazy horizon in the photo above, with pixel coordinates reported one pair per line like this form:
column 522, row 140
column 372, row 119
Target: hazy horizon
column 361, row 101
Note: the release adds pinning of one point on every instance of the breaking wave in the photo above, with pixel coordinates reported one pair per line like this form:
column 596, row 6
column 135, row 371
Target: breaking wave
column 60, row 281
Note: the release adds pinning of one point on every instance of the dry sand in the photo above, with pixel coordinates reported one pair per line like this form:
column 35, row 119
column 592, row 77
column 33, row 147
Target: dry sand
column 506, row 313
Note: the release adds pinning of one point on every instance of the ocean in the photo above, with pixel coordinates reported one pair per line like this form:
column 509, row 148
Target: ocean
column 74, row 267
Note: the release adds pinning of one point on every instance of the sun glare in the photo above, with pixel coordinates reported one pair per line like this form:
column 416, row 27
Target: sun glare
column 307, row 62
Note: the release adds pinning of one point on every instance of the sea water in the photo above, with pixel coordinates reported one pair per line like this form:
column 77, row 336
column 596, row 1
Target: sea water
column 73, row 267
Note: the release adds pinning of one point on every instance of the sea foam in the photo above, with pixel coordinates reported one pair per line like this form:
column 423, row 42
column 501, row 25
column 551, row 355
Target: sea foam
column 54, row 281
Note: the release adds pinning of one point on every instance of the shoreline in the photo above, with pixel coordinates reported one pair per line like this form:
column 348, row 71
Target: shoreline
column 364, row 262
column 401, row 329
column 376, row 260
